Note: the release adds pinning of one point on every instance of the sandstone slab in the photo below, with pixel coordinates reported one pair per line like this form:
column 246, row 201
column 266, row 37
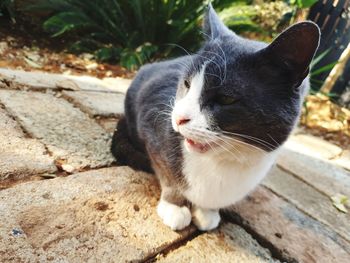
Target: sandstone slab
column 117, row 84
column 98, row 103
column 314, row 203
column 20, row 156
column 73, row 139
column 230, row 243
column 312, row 146
column 322, row 175
column 17, row 79
column 105, row 215
column 109, row 124
column 293, row 236
column 343, row 160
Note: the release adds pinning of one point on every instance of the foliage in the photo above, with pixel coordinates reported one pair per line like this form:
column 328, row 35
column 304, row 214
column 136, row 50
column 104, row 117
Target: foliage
column 302, row 3
column 8, row 7
column 264, row 18
column 240, row 17
column 129, row 31
column 315, row 71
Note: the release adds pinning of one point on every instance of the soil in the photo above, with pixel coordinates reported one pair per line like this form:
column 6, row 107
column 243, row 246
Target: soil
column 322, row 117
column 26, row 48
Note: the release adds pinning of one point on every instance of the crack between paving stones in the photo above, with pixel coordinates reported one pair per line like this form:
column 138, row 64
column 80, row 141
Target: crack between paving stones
column 163, row 251
column 275, row 252
column 23, row 87
column 319, row 220
column 295, row 175
column 332, row 158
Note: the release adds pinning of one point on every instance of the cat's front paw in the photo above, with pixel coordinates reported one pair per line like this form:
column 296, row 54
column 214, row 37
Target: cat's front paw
column 205, row 219
column 176, row 217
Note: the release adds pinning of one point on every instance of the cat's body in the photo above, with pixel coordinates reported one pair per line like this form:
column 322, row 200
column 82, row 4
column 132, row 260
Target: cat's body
column 211, row 124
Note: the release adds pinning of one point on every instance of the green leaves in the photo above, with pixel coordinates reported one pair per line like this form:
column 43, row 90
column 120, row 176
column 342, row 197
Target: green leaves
column 67, row 21
column 133, row 59
column 340, row 201
column 130, row 31
column 315, row 71
column 8, row 6
column 302, row 3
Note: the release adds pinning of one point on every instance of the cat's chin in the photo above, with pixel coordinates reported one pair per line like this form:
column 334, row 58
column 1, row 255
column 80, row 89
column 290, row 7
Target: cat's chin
column 193, row 146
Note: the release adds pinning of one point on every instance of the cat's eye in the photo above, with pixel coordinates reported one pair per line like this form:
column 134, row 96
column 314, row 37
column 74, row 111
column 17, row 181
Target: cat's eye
column 187, row 84
column 225, row 100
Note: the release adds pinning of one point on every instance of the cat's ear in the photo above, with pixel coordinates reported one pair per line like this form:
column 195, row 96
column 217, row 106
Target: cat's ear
column 213, row 27
column 294, row 49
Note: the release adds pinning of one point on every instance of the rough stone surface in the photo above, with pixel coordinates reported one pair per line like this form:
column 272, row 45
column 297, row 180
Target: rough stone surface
column 295, row 236
column 343, row 160
column 39, row 80
column 108, row 124
column 70, row 135
column 322, row 175
column 117, row 84
column 106, row 215
column 98, row 103
column 312, row 146
column 230, row 243
column 309, row 200
column 20, row 156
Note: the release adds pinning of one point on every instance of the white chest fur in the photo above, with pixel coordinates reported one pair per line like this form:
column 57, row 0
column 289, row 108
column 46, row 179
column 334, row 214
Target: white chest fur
column 216, row 182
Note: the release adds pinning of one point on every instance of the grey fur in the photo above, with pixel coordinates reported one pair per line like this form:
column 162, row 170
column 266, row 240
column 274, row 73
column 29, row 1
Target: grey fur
column 269, row 82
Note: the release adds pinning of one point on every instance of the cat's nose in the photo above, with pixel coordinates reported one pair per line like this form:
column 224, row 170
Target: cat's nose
column 181, row 120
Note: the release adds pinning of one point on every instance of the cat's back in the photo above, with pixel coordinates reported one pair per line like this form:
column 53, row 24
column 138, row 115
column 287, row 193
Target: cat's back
column 160, row 73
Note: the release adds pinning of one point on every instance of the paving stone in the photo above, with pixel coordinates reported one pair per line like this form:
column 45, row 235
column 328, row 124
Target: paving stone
column 312, row 146
column 343, row 160
column 39, row 80
column 70, row 135
column 20, row 156
column 322, row 175
column 230, row 243
column 309, row 200
column 108, row 124
column 105, row 215
column 117, row 84
column 293, row 235
column 98, row 103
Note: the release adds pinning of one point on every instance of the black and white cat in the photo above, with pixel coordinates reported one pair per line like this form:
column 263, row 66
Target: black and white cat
column 210, row 124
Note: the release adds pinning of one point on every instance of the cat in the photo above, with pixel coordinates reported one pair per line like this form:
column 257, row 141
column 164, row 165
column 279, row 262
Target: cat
column 211, row 124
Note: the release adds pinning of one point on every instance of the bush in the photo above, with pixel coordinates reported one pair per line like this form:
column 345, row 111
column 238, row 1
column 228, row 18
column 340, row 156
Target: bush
column 7, row 7
column 128, row 31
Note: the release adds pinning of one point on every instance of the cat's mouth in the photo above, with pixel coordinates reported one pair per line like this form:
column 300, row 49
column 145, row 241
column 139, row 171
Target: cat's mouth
column 192, row 145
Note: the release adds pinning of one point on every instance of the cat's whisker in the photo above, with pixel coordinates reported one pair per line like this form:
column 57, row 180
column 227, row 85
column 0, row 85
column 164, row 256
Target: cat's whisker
column 261, row 142
column 227, row 139
column 213, row 139
column 245, row 144
column 164, row 114
column 210, row 74
column 212, row 61
column 225, row 64
column 223, row 53
column 183, row 64
column 185, row 50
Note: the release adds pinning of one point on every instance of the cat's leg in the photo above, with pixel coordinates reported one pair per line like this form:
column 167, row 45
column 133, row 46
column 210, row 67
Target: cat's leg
column 172, row 207
column 205, row 219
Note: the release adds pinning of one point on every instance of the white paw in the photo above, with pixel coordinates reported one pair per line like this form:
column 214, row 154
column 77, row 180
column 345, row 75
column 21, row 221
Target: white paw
column 176, row 217
column 205, row 219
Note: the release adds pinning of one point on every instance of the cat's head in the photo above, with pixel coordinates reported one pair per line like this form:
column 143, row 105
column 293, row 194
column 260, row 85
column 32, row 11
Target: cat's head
column 238, row 92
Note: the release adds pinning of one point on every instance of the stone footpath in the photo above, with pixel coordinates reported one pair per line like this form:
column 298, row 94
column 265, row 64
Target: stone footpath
column 62, row 199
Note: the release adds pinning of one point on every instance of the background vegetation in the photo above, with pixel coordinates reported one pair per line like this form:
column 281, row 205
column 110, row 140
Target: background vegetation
column 133, row 32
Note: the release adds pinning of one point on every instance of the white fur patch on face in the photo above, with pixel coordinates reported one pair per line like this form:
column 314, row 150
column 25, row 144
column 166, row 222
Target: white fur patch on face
column 176, row 217
column 188, row 107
